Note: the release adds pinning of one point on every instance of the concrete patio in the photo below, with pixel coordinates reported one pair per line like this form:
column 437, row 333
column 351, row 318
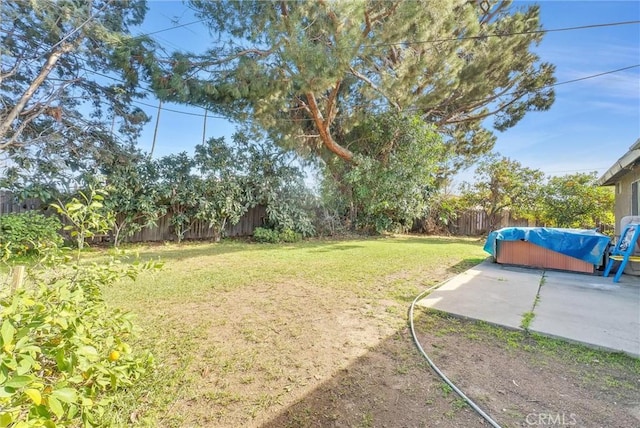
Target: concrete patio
column 588, row 309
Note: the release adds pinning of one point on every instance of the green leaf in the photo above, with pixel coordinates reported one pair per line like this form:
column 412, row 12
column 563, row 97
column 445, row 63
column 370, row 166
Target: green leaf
column 73, row 411
column 6, row 393
column 19, row 381
column 5, row 419
column 35, row 395
column 90, row 352
column 7, row 331
column 60, row 361
column 62, row 322
column 25, row 365
column 66, row 395
column 11, row 364
column 56, row 407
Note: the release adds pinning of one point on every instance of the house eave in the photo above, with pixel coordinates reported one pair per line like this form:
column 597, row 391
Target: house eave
column 627, row 162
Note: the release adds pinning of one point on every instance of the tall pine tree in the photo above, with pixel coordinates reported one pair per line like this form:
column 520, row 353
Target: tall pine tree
column 309, row 72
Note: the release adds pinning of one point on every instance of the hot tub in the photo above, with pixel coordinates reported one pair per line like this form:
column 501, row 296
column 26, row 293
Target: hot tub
column 575, row 250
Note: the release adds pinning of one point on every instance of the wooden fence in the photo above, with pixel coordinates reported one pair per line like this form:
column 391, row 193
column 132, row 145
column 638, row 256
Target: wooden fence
column 163, row 231
column 468, row 223
column 10, row 204
column 476, row 222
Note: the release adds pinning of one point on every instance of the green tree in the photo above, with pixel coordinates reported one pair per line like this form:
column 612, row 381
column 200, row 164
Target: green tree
column 222, row 198
column 248, row 172
column 133, row 196
column 310, row 72
column 390, row 183
column 86, row 216
column 575, row 200
column 502, row 183
column 274, row 179
column 59, row 57
column 178, row 189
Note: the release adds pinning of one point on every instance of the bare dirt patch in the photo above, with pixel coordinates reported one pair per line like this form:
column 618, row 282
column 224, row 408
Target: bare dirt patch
column 295, row 355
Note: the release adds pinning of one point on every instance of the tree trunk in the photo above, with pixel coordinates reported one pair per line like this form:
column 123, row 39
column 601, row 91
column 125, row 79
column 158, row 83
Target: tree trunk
column 323, row 129
column 28, row 94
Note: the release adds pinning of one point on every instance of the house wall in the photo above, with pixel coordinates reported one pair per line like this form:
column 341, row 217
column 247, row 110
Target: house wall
column 623, row 196
column 623, row 208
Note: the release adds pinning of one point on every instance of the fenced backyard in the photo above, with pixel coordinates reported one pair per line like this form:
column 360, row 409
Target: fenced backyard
column 163, row 230
column 466, row 223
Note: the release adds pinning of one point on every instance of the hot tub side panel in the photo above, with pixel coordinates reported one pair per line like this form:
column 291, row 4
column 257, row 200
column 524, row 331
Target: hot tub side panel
column 524, row 253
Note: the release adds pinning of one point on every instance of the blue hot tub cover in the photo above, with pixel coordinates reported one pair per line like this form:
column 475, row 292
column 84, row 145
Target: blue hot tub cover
column 583, row 244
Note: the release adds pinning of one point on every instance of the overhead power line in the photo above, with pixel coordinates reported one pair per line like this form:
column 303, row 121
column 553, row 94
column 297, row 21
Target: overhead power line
column 449, row 39
column 590, row 26
column 518, row 33
column 170, row 28
column 593, row 76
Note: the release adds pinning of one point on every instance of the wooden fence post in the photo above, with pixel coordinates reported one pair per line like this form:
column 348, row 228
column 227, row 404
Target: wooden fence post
column 18, row 277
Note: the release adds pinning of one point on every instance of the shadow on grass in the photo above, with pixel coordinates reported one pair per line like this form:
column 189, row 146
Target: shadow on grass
column 190, row 249
column 392, row 385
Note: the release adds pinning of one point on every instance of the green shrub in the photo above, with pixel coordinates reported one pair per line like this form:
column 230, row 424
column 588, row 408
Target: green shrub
column 63, row 352
column 261, row 234
column 28, row 232
column 289, row 235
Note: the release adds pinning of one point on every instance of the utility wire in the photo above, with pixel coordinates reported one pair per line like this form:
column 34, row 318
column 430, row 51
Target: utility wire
column 374, row 45
column 592, row 76
column 518, row 33
column 170, row 28
column 542, row 87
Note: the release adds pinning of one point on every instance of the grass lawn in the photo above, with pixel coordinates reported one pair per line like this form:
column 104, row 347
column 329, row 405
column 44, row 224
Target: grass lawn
column 315, row 334
column 241, row 330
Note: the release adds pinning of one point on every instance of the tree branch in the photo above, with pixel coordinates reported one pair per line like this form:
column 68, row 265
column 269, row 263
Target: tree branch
column 373, row 86
column 28, row 94
column 323, row 129
column 481, row 116
column 331, row 103
column 12, row 71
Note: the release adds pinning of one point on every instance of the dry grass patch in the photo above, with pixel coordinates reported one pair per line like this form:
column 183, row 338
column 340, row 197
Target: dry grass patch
column 243, row 331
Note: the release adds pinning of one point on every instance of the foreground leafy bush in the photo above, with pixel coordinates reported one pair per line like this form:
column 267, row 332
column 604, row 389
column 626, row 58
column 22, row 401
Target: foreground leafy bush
column 261, row 234
column 289, row 235
column 63, row 353
column 28, row 232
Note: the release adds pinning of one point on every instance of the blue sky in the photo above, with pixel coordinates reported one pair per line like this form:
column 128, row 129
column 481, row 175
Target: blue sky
column 591, row 124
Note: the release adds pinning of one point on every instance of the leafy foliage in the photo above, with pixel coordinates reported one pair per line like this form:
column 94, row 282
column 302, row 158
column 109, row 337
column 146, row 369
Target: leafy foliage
column 46, row 47
column 503, row 183
column 24, row 233
column 63, row 352
column 575, row 200
column 441, row 212
column 262, row 234
column 133, row 198
column 87, row 215
column 177, row 189
column 309, row 72
column 222, row 197
column 572, row 200
column 390, row 183
column 249, row 172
